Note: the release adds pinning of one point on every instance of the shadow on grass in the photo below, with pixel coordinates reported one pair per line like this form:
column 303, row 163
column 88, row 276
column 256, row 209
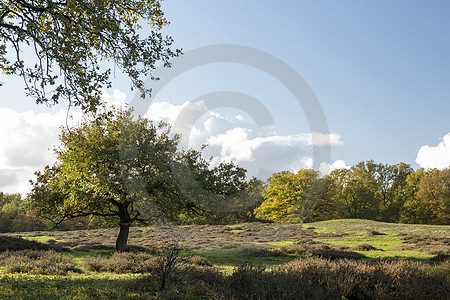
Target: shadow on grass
column 240, row 256
column 75, row 287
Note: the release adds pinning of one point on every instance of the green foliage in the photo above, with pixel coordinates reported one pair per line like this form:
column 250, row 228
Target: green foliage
column 429, row 197
column 290, row 197
column 46, row 262
column 128, row 168
column 390, row 193
column 15, row 215
column 70, row 39
column 367, row 190
column 356, row 189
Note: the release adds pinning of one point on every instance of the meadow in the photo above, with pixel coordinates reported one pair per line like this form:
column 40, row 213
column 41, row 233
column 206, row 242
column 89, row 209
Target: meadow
column 337, row 259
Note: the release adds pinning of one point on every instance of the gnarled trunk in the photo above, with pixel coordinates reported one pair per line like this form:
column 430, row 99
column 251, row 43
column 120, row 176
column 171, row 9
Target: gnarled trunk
column 122, row 239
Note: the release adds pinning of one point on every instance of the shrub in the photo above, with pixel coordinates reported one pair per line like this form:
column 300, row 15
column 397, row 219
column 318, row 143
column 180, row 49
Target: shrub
column 130, row 262
column 18, row 243
column 260, row 252
column 314, row 278
column 38, row 262
column 365, row 247
column 122, row 262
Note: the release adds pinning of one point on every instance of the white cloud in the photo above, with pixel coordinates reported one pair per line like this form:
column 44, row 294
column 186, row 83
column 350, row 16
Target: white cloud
column 28, row 140
column 322, row 139
column 435, row 157
column 260, row 150
column 116, row 99
column 326, row 168
column 8, row 177
column 164, row 111
column 308, row 162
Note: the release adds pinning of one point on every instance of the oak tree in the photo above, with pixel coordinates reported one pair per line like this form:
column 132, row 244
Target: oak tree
column 291, row 197
column 57, row 46
column 127, row 168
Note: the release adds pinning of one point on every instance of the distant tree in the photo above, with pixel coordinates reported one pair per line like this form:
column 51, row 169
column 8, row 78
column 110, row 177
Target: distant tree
column 430, row 201
column 69, row 39
column 290, row 197
column 391, row 186
column 412, row 209
column 15, row 215
column 116, row 166
column 356, row 190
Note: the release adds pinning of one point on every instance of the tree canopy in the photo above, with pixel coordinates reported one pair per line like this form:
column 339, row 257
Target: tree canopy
column 290, row 197
column 70, row 38
column 130, row 169
column 367, row 190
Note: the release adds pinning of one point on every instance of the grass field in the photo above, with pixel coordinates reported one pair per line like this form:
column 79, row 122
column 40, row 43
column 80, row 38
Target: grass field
column 210, row 252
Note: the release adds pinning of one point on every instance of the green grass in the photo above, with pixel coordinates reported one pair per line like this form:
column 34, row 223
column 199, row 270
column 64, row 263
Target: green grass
column 72, row 286
column 281, row 244
column 385, row 242
column 227, row 259
column 405, row 254
column 80, row 256
column 41, row 239
column 359, row 226
column 359, row 233
column 91, row 285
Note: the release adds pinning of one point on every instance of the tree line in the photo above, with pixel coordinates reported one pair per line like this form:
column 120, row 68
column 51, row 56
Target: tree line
column 367, row 190
column 115, row 169
column 389, row 193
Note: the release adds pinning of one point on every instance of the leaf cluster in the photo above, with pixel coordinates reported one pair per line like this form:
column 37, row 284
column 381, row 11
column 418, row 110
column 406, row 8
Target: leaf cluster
column 69, row 40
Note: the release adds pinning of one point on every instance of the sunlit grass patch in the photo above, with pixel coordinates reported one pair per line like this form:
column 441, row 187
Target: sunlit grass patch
column 45, row 239
column 73, row 286
column 384, row 242
column 281, row 244
column 226, row 259
column 411, row 255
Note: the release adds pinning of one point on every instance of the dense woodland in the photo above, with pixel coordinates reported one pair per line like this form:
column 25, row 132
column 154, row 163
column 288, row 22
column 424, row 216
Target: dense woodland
column 391, row 193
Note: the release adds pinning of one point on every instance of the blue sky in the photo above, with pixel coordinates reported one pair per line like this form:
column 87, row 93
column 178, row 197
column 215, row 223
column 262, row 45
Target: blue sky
column 379, row 69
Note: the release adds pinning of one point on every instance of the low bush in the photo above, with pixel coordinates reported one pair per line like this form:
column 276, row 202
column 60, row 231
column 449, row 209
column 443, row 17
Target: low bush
column 18, row 243
column 130, row 262
column 46, row 262
column 313, row 278
column 260, row 252
column 308, row 278
column 365, row 247
column 122, row 262
column 374, row 232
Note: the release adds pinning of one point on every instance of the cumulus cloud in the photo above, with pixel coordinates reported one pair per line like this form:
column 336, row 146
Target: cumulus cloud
column 258, row 149
column 28, row 139
column 8, row 177
column 116, row 99
column 326, row 168
column 435, row 156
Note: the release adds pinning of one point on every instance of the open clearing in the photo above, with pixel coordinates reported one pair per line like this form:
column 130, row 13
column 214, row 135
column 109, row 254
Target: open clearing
column 223, row 247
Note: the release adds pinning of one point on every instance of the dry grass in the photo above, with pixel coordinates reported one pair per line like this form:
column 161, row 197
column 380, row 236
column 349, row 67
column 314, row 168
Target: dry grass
column 315, row 278
column 46, row 262
column 292, row 238
column 194, row 237
column 430, row 244
column 17, row 243
column 365, row 247
column 130, row 262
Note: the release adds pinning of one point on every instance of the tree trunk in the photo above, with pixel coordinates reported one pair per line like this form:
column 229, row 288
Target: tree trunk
column 122, row 239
